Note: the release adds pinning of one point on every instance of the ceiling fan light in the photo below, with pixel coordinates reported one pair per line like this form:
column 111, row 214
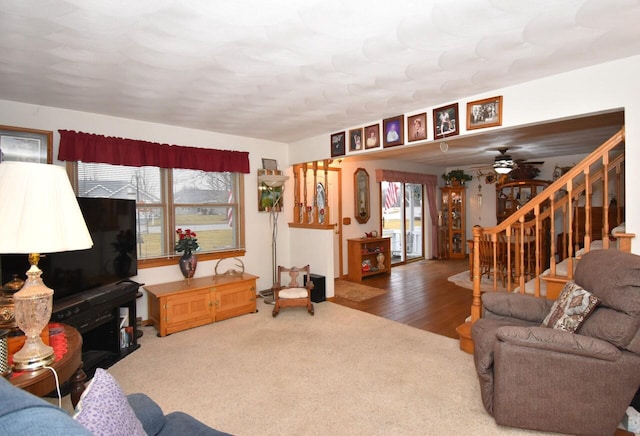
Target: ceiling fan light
column 501, row 170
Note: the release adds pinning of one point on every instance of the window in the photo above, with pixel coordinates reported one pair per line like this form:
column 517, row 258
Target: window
column 208, row 203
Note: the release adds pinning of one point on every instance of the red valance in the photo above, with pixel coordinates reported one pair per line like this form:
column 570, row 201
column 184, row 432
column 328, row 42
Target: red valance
column 88, row 147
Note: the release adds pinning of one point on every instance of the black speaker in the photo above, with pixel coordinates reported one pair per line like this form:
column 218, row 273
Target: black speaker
column 318, row 293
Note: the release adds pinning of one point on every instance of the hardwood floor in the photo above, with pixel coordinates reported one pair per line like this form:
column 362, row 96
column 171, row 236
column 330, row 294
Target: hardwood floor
column 420, row 295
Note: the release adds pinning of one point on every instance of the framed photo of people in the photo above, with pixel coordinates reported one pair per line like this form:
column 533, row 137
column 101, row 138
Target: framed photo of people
column 445, row 121
column 355, row 139
column 393, row 130
column 484, row 113
column 25, row 145
column 338, row 144
column 372, row 136
column 417, row 127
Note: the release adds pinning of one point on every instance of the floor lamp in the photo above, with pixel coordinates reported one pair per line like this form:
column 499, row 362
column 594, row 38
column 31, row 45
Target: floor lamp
column 273, row 181
column 39, row 214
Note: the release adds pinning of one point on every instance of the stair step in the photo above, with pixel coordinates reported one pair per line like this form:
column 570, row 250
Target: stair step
column 464, row 332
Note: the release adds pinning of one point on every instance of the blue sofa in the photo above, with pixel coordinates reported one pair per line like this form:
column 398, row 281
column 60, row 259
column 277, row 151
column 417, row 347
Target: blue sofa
column 24, row 414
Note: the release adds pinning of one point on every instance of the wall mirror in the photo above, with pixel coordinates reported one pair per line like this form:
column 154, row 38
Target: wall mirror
column 361, row 190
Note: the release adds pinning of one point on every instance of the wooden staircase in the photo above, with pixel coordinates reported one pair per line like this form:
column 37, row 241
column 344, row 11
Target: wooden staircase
column 521, row 250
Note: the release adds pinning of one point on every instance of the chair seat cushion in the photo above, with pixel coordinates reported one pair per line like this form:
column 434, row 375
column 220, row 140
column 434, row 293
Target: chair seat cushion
column 290, row 293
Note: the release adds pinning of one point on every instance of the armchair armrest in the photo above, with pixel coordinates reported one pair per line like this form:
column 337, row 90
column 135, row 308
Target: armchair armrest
column 559, row 341
column 519, row 306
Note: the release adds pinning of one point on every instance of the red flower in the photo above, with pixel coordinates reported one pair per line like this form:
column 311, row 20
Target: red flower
column 187, row 241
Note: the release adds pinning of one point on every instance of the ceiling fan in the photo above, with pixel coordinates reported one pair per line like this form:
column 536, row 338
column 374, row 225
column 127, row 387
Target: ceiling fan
column 504, row 163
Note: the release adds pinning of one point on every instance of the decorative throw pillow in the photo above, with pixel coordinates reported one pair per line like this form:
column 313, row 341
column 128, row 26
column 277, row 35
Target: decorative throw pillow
column 571, row 308
column 104, row 410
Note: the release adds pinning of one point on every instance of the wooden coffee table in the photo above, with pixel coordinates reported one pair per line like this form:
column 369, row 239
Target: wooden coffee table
column 69, row 368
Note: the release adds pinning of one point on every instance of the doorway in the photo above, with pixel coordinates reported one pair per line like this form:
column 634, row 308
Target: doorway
column 402, row 211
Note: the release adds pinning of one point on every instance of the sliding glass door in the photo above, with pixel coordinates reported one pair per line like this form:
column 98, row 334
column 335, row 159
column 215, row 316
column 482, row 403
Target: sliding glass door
column 402, row 209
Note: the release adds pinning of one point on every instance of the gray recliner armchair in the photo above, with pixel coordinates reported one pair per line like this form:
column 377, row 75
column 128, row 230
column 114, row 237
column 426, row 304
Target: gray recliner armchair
column 548, row 379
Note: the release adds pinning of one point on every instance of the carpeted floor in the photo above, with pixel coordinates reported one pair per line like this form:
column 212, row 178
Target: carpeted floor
column 340, row 372
column 463, row 280
column 355, row 291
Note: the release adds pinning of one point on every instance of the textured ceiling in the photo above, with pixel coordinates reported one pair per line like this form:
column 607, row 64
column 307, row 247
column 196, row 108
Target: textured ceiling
column 288, row 70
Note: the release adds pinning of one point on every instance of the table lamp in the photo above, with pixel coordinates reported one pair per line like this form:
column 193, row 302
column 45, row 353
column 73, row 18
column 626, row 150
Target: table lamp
column 39, row 213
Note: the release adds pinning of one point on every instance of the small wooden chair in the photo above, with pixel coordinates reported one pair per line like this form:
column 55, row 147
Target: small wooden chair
column 290, row 290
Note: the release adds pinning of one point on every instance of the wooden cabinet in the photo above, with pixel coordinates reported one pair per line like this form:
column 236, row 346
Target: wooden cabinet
column 511, row 196
column 365, row 259
column 453, row 221
column 180, row 305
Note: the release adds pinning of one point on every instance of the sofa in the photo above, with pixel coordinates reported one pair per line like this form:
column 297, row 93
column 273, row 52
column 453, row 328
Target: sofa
column 99, row 412
column 570, row 365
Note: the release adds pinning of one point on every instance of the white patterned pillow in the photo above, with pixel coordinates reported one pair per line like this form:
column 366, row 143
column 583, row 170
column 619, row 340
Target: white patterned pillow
column 104, row 410
column 571, row 308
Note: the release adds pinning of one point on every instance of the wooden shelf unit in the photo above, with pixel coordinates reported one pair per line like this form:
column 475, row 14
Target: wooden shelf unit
column 454, row 221
column 178, row 306
column 361, row 250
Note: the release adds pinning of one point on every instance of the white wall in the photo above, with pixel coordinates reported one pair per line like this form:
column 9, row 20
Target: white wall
column 602, row 87
column 599, row 88
column 258, row 234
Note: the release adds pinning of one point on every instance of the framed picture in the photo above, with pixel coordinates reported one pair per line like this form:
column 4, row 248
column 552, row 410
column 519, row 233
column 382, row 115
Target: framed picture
column 26, row 145
column 417, row 127
column 445, row 121
column 393, row 129
column 338, row 144
column 372, row 136
column 484, row 113
column 269, row 164
column 355, row 139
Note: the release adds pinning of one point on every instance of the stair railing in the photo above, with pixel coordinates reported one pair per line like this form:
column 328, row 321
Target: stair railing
column 526, row 247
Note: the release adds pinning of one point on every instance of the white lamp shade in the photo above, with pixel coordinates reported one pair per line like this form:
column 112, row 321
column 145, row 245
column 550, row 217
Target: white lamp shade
column 273, row 180
column 39, row 212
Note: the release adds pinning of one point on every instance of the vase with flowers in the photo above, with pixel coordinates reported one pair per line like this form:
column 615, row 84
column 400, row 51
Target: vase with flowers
column 188, row 243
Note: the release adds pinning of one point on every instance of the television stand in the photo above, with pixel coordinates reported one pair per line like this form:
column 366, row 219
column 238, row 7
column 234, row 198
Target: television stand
column 106, row 319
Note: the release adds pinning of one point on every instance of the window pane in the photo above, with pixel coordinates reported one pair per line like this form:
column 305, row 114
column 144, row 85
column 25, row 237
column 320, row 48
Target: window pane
column 115, row 181
column 212, row 225
column 206, row 203
column 211, row 210
column 133, row 183
column 200, row 187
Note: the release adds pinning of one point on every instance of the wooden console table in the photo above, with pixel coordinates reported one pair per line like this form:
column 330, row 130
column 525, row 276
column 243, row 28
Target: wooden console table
column 180, row 305
column 69, row 368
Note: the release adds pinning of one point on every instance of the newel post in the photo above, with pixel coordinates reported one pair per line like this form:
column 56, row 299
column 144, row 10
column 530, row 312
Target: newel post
column 476, row 303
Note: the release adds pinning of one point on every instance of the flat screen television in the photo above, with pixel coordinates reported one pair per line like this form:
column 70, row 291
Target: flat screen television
column 113, row 257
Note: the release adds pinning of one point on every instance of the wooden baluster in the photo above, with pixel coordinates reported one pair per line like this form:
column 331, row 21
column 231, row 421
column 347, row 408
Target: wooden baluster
column 605, row 201
column 587, row 209
column 314, row 212
column 327, row 216
column 570, row 232
column 296, row 194
column 510, row 271
column 305, row 215
column 554, row 248
column 537, row 249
